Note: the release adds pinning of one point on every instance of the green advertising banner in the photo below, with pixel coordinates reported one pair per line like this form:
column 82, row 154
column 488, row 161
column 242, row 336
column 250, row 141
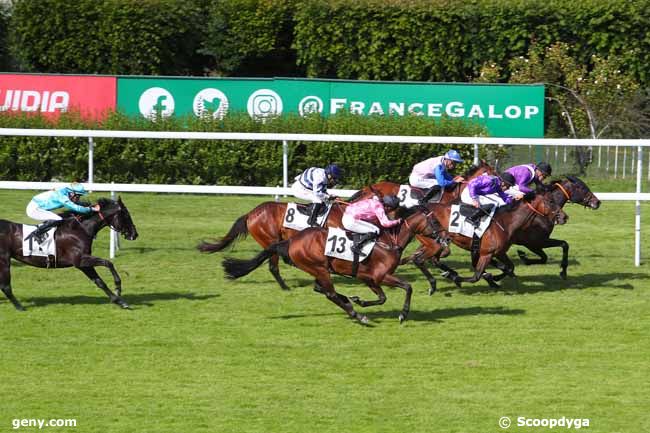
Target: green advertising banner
column 506, row 110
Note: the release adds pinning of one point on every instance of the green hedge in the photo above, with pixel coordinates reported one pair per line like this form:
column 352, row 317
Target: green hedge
column 221, row 162
column 449, row 40
column 108, row 36
column 418, row 40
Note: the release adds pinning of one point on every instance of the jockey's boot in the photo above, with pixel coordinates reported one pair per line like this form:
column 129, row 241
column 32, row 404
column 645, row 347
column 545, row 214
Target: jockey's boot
column 315, row 210
column 430, row 193
column 475, row 217
column 41, row 230
column 359, row 240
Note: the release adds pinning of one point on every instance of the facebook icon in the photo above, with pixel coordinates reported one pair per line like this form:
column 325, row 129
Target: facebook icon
column 155, row 103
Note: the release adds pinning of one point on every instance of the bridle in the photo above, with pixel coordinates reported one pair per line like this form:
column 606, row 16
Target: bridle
column 551, row 215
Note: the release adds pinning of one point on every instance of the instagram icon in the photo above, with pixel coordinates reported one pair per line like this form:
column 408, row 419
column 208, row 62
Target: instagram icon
column 264, row 103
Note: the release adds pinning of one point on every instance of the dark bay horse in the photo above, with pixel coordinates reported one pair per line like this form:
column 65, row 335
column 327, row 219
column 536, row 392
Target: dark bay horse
column 495, row 242
column 538, row 235
column 74, row 239
column 305, row 250
column 265, row 225
column 391, row 188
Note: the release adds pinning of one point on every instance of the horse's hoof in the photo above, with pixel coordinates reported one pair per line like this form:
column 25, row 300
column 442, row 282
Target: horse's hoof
column 433, row 288
column 457, row 281
column 563, row 275
column 363, row 320
column 402, row 318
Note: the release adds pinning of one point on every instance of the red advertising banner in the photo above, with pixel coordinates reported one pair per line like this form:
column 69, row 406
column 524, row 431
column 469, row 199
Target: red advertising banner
column 51, row 95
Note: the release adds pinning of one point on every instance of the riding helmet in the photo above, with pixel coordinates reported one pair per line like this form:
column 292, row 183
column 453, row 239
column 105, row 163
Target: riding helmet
column 545, row 168
column 78, row 189
column 334, row 171
column 453, row 155
column 507, row 178
column 391, row 201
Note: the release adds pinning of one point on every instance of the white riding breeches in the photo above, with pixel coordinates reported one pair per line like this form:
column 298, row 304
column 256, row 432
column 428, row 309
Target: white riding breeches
column 422, row 182
column 513, row 191
column 37, row 213
column 300, row 191
column 492, row 199
column 358, row 226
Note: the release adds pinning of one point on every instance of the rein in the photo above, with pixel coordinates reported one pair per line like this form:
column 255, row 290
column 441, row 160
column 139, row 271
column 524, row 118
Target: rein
column 534, row 210
column 564, row 191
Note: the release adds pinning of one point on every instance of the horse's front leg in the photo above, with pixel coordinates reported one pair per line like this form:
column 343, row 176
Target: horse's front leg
column 87, row 264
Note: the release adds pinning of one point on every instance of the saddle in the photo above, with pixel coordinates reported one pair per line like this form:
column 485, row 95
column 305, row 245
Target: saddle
column 305, row 209
column 468, row 211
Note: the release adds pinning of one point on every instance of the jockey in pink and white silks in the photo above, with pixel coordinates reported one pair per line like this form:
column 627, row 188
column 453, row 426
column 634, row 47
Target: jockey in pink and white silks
column 360, row 217
column 433, row 173
column 312, row 185
column 41, row 206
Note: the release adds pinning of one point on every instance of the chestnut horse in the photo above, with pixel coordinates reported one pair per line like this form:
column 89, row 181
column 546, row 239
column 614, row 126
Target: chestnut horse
column 74, row 239
column 265, row 225
column 495, row 242
column 391, row 188
column 305, row 250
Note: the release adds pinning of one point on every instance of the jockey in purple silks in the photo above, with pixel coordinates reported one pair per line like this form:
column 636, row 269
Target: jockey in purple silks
column 487, row 191
column 526, row 174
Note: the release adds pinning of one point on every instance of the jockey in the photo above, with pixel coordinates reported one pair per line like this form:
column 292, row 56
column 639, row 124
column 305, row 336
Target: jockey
column 433, row 173
column 360, row 217
column 526, row 174
column 480, row 189
column 41, row 206
column 312, row 185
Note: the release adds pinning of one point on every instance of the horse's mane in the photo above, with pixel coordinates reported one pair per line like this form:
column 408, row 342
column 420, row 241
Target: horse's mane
column 102, row 202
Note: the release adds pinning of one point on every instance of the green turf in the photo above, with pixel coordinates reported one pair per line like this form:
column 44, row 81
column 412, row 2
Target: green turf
column 201, row 354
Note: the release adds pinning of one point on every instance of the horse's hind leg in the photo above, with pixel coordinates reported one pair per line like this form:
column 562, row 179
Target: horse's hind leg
column 95, row 278
column 393, row 281
column 5, row 283
column 325, row 283
column 275, row 271
column 381, row 296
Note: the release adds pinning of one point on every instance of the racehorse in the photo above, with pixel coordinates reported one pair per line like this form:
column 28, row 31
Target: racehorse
column 391, row 188
column 537, row 236
column 74, row 239
column 265, row 225
column 495, row 242
column 305, row 250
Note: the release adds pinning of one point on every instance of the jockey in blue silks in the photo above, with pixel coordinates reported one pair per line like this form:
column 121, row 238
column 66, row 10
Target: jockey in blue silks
column 433, row 173
column 41, row 206
column 312, row 185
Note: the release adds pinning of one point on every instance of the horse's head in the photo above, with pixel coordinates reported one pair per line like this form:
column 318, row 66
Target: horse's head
column 545, row 206
column 422, row 222
column 117, row 216
column 576, row 191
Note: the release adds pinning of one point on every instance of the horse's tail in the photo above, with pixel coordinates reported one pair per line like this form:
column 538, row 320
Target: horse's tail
column 235, row 268
column 238, row 230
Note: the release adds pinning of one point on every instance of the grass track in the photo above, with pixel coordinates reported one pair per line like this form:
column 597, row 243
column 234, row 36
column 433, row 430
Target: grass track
column 202, row 354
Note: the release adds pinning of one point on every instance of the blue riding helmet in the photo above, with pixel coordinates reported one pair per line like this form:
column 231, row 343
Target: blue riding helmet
column 77, row 188
column 334, row 171
column 453, row 155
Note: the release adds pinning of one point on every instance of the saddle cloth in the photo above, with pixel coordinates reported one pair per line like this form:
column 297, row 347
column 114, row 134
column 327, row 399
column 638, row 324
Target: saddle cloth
column 408, row 197
column 458, row 223
column 296, row 220
column 339, row 242
column 31, row 247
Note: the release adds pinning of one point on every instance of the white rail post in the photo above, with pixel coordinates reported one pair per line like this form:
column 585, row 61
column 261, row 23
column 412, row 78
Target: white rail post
column 615, row 161
column 285, row 164
column 91, row 153
column 637, row 222
column 476, row 158
column 112, row 244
